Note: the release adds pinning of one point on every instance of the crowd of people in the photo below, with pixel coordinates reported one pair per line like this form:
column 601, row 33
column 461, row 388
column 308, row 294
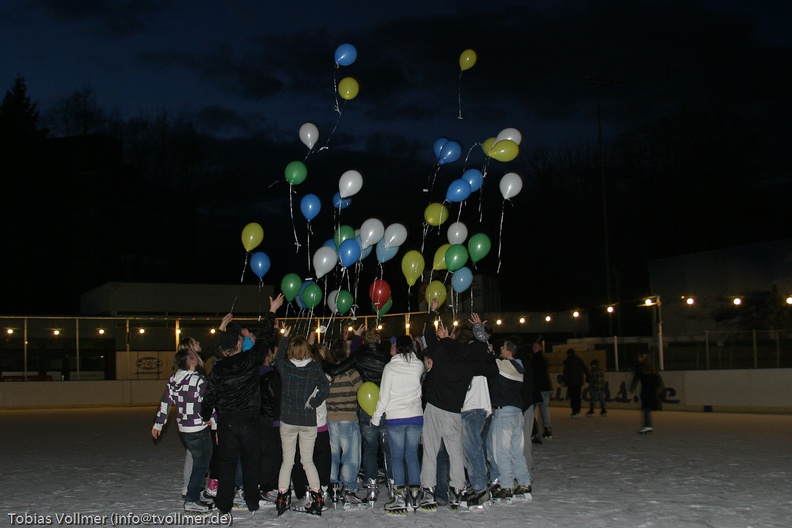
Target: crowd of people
column 278, row 417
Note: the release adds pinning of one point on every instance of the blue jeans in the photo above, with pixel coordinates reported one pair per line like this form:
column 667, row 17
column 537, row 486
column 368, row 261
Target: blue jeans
column 506, row 434
column 597, row 396
column 374, row 441
column 200, row 447
column 403, row 441
column 473, row 445
column 344, row 453
column 544, row 406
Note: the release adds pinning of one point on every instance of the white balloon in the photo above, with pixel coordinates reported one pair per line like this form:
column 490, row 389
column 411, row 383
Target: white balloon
column 324, row 260
column 457, row 233
column 509, row 133
column 309, row 134
column 394, row 236
column 510, row 185
column 349, row 183
column 332, row 301
column 371, row 231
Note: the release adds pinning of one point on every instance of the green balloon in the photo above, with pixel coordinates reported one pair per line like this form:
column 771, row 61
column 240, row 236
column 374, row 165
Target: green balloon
column 290, row 286
column 344, row 301
column 343, row 233
column 295, row 172
column 456, row 256
column 478, row 246
column 312, row 296
column 385, row 307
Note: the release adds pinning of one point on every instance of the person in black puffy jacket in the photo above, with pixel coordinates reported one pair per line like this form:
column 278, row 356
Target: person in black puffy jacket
column 234, row 391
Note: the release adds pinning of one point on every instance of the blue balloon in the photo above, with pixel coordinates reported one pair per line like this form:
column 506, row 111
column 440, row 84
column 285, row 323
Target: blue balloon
column 462, row 279
column 349, row 252
column 345, row 54
column 438, row 146
column 474, row 178
column 384, row 254
column 363, row 252
column 310, row 206
column 450, row 152
column 330, row 243
column 299, row 298
column 260, row 263
column 341, row 203
column 458, row 190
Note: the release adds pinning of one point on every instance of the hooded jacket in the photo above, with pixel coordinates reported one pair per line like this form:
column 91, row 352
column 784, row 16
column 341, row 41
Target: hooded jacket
column 185, row 389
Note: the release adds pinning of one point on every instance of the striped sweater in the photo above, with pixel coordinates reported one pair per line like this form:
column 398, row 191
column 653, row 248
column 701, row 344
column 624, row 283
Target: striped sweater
column 342, row 403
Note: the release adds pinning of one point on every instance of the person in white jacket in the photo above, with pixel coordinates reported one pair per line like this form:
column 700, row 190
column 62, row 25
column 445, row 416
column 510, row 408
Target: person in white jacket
column 400, row 401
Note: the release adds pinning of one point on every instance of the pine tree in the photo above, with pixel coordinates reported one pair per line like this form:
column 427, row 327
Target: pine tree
column 18, row 116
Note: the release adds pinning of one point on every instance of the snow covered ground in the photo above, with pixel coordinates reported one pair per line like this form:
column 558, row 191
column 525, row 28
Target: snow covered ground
column 697, row 469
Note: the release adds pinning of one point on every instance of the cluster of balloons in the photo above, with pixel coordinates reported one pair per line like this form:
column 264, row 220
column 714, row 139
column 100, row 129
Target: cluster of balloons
column 252, row 235
column 503, row 147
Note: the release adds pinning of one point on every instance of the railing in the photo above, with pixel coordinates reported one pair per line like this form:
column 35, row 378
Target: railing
column 108, row 348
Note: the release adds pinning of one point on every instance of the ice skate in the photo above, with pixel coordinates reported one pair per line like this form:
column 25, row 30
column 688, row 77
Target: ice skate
column 603, row 412
column 397, row 505
column 351, row 501
column 206, row 498
column 196, row 507
column 454, row 498
column 335, row 494
column 590, row 414
column 479, row 501
column 548, row 433
column 283, row 501
column 371, row 492
column 645, row 430
column 314, row 507
column 413, row 497
column 522, row 492
column 502, row 496
column 211, row 487
column 427, row 501
column 536, row 439
column 326, row 499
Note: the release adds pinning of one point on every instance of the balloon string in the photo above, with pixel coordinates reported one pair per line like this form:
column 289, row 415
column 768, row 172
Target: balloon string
column 481, row 190
column 308, row 243
column 339, row 110
column 335, row 89
column 430, row 181
column 459, row 94
column 291, row 213
column 500, row 236
column 261, row 287
column 423, row 237
column 241, row 280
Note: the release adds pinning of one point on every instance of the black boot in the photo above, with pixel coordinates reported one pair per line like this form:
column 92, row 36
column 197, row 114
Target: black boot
column 317, row 501
column 283, row 502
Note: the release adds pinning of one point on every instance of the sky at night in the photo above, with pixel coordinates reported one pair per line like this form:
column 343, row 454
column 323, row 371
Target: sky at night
column 242, row 68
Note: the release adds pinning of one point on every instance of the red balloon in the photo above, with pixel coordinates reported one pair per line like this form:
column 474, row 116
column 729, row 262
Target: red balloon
column 379, row 292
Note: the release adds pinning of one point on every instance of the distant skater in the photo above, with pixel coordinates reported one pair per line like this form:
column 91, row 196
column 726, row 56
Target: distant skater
column 651, row 388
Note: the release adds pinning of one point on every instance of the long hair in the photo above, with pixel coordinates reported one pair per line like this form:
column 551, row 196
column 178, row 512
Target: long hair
column 188, row 344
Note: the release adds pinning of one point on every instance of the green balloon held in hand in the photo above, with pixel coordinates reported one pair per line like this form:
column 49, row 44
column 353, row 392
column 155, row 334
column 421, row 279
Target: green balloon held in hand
column 295, row 172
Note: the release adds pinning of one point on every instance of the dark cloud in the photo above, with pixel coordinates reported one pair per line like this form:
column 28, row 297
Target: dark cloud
column 121, row 17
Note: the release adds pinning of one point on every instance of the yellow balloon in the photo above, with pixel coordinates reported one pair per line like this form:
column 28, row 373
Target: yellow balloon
column 505, row 150
column 348, row 88
column 439, row 262
column 435, row 290
column 487, row 145
column 252, row 235
column 435, row 214
column 467, row 59
column 367, row 396
column 412, row 266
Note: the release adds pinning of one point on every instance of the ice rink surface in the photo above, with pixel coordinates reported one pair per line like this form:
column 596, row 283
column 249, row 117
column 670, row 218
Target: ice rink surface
column 697, row 469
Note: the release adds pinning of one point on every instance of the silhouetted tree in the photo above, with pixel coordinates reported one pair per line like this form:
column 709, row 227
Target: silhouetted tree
column 78, row 114
column 18, row 115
